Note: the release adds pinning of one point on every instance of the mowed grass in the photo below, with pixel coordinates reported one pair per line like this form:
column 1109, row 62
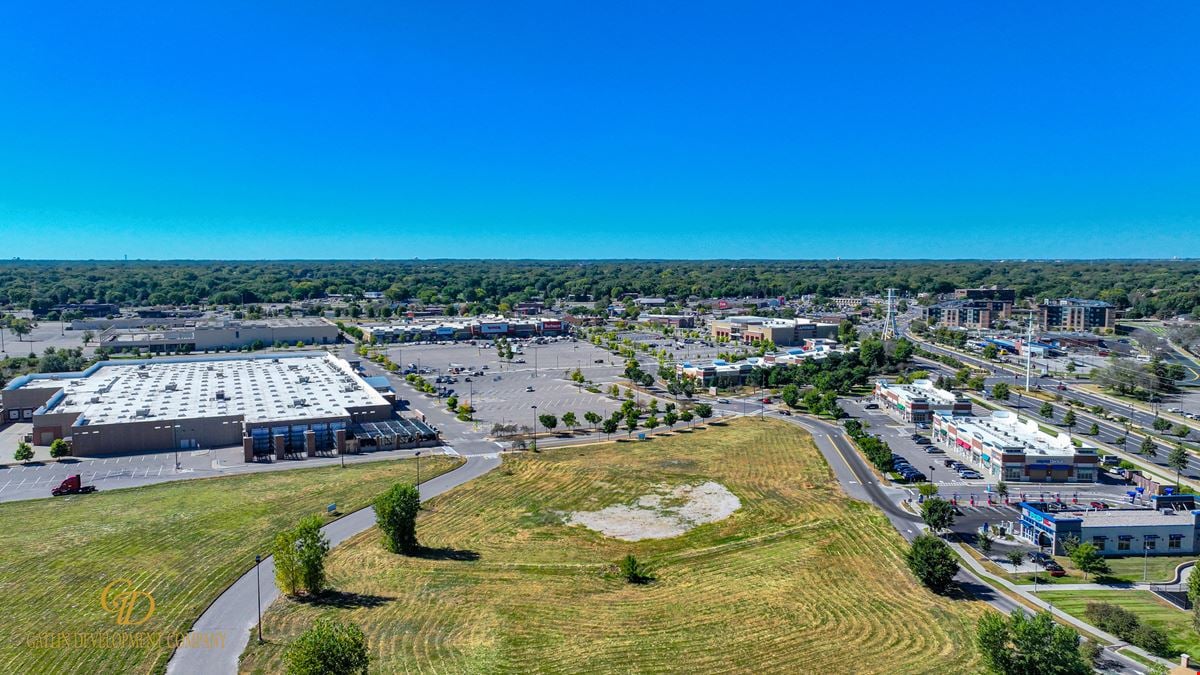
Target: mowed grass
column 800, row 579
column 1151, row 609
column 184, row 542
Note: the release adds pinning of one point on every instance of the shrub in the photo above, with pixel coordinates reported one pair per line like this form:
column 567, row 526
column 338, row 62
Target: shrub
column 330, row 647
column 635, row 571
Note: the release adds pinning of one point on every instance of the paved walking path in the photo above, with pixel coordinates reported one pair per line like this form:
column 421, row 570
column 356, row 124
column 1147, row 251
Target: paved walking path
column 235, row 611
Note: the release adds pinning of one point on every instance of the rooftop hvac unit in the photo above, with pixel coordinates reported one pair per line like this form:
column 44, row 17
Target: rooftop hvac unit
column 303, row 379
column 171, row 386
column 142, row 412
column 94, row 399
column 220, row 394
column 298, row 403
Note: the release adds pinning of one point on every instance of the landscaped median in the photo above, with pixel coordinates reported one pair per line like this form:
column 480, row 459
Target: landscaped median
column 179, row 543
column 760, row 563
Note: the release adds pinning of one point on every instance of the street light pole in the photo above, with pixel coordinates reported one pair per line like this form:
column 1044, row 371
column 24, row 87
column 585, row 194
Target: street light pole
column 258, row 596
column 533, row 429
column 418, row 456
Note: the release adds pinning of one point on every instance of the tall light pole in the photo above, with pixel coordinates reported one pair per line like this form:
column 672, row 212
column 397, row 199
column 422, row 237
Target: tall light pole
column 258, row 596
column 533, row 429
column 418, row 456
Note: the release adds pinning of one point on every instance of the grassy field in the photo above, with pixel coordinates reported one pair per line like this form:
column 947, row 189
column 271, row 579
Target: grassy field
column 1176, row 623
column 184, row 542
column 799, row 579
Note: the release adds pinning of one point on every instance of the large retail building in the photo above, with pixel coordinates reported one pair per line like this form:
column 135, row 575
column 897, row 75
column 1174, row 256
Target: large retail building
column 274, row 405
column 1016, row 450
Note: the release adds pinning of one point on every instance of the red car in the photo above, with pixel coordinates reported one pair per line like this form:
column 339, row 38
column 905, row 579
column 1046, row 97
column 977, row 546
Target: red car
column 1099, row 505
column 767, row 400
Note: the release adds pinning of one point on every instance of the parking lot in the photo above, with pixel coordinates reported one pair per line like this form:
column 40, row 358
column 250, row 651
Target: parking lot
column 506, row 392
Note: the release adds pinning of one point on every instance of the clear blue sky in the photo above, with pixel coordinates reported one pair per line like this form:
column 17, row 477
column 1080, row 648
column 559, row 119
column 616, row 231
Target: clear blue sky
column 599, row 129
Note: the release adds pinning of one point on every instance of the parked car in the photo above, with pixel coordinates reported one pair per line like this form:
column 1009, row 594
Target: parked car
column 786, row 412
column 598, row 361
column 723, row 400
column 871, row 406
column 528, row 389
column 1098, row 505
column 949, row 463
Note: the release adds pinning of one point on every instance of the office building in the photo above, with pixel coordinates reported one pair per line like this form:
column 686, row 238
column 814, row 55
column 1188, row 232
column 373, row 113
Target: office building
column 783, row 332
column 970, row 314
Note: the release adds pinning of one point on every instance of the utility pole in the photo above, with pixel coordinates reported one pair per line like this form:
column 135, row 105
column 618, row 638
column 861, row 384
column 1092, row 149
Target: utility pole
column 1028, row 351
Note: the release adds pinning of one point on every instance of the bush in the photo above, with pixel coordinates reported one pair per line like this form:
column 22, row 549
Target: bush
column 1112, row 618
column 396, row 515
column 635, row 571
column 330, row 647
column 59, row 448
column 1152, row 639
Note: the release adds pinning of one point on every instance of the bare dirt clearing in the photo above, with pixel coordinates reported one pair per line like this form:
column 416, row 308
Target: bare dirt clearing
column 669, row 512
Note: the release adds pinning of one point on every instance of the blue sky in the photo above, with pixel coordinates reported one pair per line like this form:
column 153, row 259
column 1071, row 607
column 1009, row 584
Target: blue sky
column 616, row 129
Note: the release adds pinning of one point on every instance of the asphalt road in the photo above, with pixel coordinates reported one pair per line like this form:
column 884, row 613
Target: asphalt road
column 235, row 611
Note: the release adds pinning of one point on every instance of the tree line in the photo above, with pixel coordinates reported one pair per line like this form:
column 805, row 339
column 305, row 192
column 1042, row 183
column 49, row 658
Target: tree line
column 1145, row 288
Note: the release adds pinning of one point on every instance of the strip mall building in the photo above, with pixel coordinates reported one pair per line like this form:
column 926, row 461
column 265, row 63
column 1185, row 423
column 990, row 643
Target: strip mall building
column 1016, row 450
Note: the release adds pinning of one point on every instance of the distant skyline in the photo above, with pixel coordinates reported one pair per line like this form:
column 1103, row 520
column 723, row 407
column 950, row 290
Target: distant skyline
column 546, row 130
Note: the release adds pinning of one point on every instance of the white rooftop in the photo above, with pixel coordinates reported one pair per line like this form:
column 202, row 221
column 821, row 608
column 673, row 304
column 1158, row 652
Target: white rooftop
column 1003, row 429
column 289, row 387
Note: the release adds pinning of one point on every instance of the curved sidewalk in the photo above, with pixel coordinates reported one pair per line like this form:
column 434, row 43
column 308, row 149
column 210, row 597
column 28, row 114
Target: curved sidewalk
column 235, row 611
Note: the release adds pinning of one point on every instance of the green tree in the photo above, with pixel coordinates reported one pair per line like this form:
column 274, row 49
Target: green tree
column 330, row 647
column 1161, row 424
column 452, row 402
column 24, row 452
column 1094, row 430
column 635, row 571
column 631, row 421
column 790, row 395
column 1015, row 558
column 670, row 418
column 1193, row 591
column 1178, row 460
column 1069, row 420
column 1086, row 557
column 984, row 541
column 1002, row 489
column 59, row 448
column 569, row 421
column 311, row 548
column 937, row 513
column 299, row 556
column 396, row 516
column 592, row 418
column 548, row 421
column 703, row 411
column 1181, row 430
column 609, row 426
column 989, row 351
column 1148, row 448
column 932, row 562
column 1020, row 645
column 686, row 417
column 1000, row 391
column 651, row 422
column 1046, row 410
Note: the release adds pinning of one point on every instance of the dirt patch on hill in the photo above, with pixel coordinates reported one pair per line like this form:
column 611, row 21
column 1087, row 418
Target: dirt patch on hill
column 667, row 512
